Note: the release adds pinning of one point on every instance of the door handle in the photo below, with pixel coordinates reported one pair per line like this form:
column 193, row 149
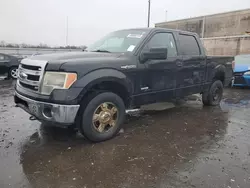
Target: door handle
column 179, row 63
column 195, row 66
column 203, row 63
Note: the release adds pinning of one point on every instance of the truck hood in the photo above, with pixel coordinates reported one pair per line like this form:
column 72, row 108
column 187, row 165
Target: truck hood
column 83, row 62
column 72, row 55
column 241, row 67
column 74, row 60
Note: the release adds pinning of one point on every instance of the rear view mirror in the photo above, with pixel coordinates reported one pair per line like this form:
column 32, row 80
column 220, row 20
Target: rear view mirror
column 154, row 54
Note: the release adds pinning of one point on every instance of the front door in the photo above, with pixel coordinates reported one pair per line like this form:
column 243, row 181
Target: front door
column 158, row 77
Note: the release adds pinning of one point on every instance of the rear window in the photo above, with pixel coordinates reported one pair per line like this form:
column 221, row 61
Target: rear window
column 189, row 45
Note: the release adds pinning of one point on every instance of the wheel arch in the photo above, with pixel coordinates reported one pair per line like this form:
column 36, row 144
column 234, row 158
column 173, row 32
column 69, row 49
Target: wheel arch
column 219, row 73
column 106, row 80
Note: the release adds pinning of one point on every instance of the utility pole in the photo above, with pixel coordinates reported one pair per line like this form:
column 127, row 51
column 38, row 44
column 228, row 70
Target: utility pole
column 149, row 6
column 67, row 31
column 203, row 26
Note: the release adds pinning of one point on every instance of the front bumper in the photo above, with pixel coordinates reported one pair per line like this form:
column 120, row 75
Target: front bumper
column 50, row 112
column 243, row 80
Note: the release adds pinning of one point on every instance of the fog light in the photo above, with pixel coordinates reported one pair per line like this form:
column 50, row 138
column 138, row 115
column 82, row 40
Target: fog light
column 47, row 112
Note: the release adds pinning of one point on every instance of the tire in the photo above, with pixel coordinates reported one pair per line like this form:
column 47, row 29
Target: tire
column 231, row 84
column 213, row 96
column 94, row 105
column 13, row 72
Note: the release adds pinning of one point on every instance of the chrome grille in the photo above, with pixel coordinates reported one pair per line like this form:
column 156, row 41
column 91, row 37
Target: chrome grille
column 30, row 74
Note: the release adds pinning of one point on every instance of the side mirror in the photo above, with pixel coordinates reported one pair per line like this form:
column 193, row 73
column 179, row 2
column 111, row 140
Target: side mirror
column 154, row 54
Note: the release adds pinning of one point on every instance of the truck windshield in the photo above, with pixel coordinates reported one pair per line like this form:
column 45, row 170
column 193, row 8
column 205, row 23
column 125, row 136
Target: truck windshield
column 118, row 41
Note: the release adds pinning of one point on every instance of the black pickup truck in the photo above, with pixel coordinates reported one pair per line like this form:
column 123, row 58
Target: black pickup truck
column 124, row 70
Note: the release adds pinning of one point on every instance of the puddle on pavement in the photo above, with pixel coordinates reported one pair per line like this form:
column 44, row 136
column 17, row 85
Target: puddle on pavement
column 186, row 146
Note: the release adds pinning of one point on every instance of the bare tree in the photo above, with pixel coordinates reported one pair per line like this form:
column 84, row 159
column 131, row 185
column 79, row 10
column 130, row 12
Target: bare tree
column 41, row 45
column 2, row 43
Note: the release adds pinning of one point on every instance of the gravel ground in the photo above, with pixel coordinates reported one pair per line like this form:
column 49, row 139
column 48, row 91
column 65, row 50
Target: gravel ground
column 186, row 146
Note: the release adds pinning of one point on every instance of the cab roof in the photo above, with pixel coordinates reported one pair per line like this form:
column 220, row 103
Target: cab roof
column 152, row 29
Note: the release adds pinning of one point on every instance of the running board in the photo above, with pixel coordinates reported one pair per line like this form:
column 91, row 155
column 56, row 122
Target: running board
column 132, row 110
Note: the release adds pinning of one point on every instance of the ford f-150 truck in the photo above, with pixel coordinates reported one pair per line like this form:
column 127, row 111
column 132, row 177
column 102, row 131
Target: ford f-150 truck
column 126, row 69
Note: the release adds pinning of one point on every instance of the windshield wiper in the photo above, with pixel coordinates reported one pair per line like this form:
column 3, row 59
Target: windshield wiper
column 100, row 50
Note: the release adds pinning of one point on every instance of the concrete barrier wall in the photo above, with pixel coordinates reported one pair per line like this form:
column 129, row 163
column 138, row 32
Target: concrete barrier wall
column 193, row 25
column 227, row 24
column 31, row 51
column 227, row 46
column 223, row 34
column 217, row 25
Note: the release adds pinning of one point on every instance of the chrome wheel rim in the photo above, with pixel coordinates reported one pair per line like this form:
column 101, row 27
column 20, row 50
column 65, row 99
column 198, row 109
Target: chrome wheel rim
column 105, row 117
column 217, row 94
column 14, row 73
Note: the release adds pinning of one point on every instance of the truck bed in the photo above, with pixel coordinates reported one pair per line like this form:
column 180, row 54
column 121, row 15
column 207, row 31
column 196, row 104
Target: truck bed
column 225, row 62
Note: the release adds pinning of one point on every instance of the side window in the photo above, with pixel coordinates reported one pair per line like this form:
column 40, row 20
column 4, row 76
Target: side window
column 189, row 45
column 1, row 57
column 164, row 40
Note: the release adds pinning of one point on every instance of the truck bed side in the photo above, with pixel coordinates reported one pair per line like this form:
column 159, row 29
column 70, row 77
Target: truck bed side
column 219, row 66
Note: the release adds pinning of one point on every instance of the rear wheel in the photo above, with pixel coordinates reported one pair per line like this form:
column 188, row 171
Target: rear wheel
column 102, row 118
column 13, row 72
column 213, row 96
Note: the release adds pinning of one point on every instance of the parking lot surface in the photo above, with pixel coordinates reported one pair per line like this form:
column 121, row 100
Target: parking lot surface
column 186, row 146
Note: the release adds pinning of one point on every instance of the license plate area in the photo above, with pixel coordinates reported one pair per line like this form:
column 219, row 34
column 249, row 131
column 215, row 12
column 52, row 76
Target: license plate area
column 34, row 109
column 20, row 101
column 239, row 80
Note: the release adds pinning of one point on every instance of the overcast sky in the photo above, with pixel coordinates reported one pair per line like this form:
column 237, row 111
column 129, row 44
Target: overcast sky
column 44, row 21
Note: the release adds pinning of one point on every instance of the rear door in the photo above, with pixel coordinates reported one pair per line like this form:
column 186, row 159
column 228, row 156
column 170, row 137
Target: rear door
column 4, row 64
column 191, row 73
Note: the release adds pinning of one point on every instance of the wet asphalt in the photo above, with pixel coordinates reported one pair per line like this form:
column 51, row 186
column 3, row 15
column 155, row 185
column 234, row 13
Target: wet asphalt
column 186, row 146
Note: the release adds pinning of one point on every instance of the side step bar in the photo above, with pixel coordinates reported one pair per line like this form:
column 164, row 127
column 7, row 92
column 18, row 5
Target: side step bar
column 132, row 110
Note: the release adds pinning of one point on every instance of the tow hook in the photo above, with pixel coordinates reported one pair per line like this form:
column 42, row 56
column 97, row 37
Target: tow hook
column 32, row 118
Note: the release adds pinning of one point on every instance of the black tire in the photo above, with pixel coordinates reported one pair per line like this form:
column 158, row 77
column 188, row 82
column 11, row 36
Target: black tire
column 230, row 85
column 10, row 75
column 213, row 96
column 87, row 110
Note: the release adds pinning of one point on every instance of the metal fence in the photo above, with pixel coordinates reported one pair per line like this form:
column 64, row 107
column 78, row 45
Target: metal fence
column 32, row 51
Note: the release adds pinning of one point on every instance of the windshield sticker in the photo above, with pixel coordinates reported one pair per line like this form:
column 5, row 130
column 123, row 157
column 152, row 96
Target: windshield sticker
column 138, row 36
column 171, row 44
column 131, row 48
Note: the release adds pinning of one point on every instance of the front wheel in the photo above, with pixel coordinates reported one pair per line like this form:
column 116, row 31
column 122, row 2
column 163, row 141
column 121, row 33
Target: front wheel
column 102, row 118
column 213, row 96
column 13, row 72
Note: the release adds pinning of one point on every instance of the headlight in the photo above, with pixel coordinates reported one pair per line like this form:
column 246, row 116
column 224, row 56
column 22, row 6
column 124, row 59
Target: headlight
column 247, row 73
column 57, row 80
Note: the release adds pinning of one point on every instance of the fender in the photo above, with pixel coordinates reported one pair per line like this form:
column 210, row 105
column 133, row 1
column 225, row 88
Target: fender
column 97, row 76
column 219, row 69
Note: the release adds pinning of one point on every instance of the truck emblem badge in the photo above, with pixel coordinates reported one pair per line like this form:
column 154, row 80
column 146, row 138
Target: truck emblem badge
column 23, row 75
column 128, row 67
column 144, row 88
